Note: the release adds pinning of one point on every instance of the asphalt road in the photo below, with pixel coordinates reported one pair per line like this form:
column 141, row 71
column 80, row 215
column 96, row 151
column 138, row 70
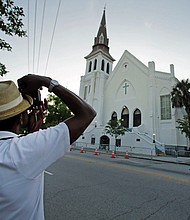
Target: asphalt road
column 88, row 187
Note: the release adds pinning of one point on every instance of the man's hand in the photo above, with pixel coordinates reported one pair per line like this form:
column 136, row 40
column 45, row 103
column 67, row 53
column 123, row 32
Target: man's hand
column 31, row 82
column 35, row 120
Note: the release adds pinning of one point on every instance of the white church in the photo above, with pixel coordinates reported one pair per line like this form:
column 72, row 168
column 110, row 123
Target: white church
column 134, row 92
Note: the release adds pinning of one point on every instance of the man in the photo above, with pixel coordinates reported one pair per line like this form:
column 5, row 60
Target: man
column 24, row 158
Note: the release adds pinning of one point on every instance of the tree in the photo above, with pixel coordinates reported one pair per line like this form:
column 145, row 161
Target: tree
column 115, row 128
column 184, row 126
column 10, row 24
column 180, row 97
column 57, row 111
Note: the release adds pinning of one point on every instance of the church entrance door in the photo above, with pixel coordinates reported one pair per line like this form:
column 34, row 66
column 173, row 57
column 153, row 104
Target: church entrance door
column 104, row 142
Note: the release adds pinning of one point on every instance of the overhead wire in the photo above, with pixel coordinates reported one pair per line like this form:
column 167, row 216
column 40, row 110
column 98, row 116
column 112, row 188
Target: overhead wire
column 34, row 43
column 52, row 37
column 28, row 36
column 42, row 26
column 41, row 33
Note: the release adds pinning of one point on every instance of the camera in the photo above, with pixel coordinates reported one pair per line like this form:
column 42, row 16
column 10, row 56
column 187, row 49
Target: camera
column 35, row 95
column 37, row 102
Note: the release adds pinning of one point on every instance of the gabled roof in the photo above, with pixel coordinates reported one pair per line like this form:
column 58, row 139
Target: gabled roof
column 133, row 59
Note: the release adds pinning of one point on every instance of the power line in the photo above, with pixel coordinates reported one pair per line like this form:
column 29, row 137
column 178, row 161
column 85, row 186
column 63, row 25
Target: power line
column 52, row 36
column 34, row 34
column 41, row 35
column 28, row 36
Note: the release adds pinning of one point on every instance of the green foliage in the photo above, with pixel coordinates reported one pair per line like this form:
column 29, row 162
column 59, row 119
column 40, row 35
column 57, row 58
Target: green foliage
column 2, row 69
column 10, row 24
column 57, row 111
column 115, row 128
column 180, row 97
column 184, row 126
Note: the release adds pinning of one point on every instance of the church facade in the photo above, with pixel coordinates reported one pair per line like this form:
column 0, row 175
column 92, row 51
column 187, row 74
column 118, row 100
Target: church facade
column 136, row 93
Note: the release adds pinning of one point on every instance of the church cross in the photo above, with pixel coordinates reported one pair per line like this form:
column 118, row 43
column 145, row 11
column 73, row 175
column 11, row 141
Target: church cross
column 125, row 87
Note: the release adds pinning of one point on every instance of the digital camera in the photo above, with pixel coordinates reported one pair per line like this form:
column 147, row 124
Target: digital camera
column 37, row 102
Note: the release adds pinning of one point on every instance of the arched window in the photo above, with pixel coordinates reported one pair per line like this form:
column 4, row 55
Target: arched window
column 90, row 67
column 114, row 116
column 95, row 64
column 165, row 105
column 136, row 118
column 108, row 68
column 102, row 66
column 125, row 117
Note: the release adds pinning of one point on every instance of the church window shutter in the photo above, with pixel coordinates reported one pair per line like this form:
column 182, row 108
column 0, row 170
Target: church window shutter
column 102, row 66
column 137, row 118
column 95, row 64
column 165, row 107
column 90, row 67
column 125, row 117
column 108, row 68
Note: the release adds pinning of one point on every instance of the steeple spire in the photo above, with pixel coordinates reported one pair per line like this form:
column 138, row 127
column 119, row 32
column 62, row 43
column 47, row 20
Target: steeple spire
column 101, row 41
column 102, row 32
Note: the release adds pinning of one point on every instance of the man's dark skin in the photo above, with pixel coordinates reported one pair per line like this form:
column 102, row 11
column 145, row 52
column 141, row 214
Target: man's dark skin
column 83, row 113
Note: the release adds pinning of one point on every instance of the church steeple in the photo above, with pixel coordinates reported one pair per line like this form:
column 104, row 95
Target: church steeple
column 101, row 41
column 99, row 65
column 102, row 32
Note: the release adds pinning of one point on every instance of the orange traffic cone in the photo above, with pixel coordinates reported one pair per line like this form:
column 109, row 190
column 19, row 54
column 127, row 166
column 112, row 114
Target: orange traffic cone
column 113, row 154
column 82, row 150
column 127, row 155
column 96, row 152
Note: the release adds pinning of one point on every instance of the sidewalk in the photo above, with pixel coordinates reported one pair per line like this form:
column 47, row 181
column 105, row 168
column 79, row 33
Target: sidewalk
column 165, row 158
column 168, row 159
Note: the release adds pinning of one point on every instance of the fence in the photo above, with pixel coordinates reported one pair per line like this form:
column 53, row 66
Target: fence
column 177, row 151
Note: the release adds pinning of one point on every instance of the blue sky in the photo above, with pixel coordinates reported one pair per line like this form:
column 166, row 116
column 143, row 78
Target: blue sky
column 151, row 30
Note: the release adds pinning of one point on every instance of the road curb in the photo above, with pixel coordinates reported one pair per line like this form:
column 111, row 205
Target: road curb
column 165, row 159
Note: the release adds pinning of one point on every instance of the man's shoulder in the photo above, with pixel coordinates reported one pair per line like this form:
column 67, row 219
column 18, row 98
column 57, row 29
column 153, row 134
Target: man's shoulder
column 7, row 135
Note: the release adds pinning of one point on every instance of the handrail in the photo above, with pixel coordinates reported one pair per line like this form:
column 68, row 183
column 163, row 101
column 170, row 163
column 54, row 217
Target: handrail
column 148, row 136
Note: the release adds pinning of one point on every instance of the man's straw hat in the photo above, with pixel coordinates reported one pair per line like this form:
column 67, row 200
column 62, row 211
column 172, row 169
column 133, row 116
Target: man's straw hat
column 11, row 100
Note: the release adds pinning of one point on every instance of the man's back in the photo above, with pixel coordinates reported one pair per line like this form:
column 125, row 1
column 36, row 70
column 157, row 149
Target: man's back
column 22, row 161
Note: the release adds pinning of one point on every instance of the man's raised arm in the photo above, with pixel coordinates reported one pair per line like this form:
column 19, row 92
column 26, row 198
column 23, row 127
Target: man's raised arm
column 83, row 112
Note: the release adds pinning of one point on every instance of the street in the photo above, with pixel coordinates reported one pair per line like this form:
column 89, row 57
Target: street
column 88, row 187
